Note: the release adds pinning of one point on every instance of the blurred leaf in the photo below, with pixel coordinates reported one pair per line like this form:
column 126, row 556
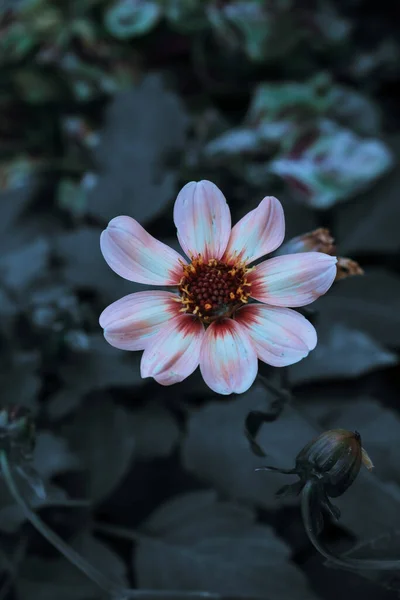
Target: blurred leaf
column 369, row 303
column 155, row 430
column 20, row 268
column 371, row 224
column 20, row 383
column 52, row 455
column 85, row 267
column 144, row 126
column 47, row 580
column 386, row 545
column 333, row 166
column 355, row 110
column 217, row 451
column 12, row 204
column 65, row 401
column 290, row 101
column 200, row 544
column 12, row 515
column 101, row 434
column 100, row 367
column 72, row 195
column 238, row 140
column 7, row 306
column 128, row 18
column 341, row 352
column 264, row 33
column 187, row 16
column 35, row 87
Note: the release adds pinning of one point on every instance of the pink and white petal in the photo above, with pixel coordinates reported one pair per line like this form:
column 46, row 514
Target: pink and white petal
column 203, row 220
column 259, row 232
column 137, row 256
column 174, row 353
column 129, row 323
column 294, row 279
column 228, row 360
column 281, row 336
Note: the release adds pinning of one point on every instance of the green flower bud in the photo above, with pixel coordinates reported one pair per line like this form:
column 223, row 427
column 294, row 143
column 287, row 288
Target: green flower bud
column 335, row 458
column 332, row 460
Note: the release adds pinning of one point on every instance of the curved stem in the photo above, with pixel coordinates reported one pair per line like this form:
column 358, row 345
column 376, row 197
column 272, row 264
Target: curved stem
column 70, row 554
column 340, row 561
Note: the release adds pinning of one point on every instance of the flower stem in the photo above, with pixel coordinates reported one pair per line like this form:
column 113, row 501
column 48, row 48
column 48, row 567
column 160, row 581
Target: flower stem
column 340, row 561
column 70, row 554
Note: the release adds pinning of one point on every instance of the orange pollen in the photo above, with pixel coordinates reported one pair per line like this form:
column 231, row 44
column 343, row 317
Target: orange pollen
column 213, row 289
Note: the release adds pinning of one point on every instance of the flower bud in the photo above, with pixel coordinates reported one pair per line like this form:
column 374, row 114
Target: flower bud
column 332, row 461
column 334, row 458
column 17, row 433
column 347, row 268
column 318, row 240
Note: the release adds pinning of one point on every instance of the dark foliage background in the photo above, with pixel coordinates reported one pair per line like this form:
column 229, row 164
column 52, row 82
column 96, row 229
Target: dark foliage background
column 107, row 109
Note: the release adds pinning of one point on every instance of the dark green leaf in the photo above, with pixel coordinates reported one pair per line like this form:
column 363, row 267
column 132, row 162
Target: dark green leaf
column 20, row 268
column 216, row 448
column 155, row 430
column 200, row 544
column 101, row 367
column 20, row 384
column 341, row 352
column 85, row 267
column 370, row 224
column 102, row 436
column 58, row 579
column 369, row 303
column 143, row 126
column 52, row 455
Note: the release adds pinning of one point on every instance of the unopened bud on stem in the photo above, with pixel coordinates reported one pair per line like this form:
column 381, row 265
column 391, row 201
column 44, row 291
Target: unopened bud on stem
column 318, row 240
column 332, row 461
column 335, row 458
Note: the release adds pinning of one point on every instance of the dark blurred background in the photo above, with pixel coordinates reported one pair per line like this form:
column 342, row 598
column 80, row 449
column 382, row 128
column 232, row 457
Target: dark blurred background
column 108, row 108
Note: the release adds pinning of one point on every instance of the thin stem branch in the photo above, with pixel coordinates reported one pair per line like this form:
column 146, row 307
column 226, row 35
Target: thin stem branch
column 340, row 561
column 70, row 554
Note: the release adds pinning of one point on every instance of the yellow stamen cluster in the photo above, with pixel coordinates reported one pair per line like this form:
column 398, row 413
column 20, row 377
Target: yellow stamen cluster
column 213, row 289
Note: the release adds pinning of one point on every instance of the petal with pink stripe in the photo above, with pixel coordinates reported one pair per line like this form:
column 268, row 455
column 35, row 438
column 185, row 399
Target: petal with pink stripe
column 203, row 220
column 259, row 232
column 228, row 360
column 281, row 336
column 294, row 279
column 137, row 256
column 129, row 323
column 174, row 353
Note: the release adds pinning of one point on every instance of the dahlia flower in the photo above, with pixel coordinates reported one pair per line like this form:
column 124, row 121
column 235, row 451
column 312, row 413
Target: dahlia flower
column 223, row 314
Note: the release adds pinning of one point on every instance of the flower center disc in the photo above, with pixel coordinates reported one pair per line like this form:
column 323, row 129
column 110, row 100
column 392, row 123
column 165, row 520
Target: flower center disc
column 213, row 289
